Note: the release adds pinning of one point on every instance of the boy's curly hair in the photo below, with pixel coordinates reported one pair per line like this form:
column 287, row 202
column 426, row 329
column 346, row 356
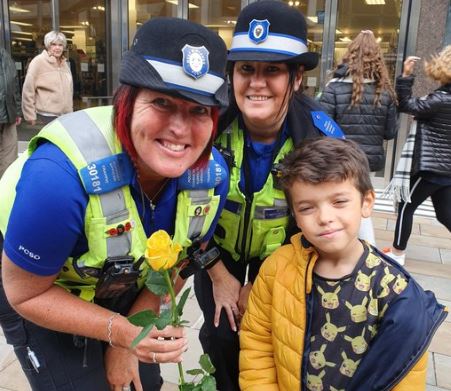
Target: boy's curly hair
column 326, row 159
column 439, row 66
column 365, row 61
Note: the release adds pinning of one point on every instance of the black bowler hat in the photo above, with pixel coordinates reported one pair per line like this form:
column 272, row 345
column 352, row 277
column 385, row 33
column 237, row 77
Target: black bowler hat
column 271, row 31
column 180, row 58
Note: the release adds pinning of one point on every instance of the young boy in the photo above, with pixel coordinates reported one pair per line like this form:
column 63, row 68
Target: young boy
column 328, row 311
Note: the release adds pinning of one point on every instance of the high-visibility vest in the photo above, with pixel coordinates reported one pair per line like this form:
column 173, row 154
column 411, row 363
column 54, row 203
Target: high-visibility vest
column 112, row 224
column 251, row 228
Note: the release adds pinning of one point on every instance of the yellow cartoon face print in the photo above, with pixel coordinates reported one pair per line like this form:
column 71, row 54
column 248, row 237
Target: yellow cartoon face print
column 329, row 331
column 400, row 284
column 372, row 260
column 315, row 383
column 363, row 282
column 318, row 360
column 329, row 300
column 348, row 366
column 373, row 306
column 359, row 311
column 386, row 279
column 358, row 344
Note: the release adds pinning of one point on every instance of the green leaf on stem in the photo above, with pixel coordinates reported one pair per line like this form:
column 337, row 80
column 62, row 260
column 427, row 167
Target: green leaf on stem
column 206, row 365
column 156, row 283
column 142, row 335
column 208, row 383
column 164, row 319
column 195, row 371
column 143, row 318
column 187, row 387
column 182, row 301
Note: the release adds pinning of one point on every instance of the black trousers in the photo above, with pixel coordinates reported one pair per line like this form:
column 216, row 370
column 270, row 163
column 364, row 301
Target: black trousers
column 67, row 363
column 420, row 189
column 221, row 343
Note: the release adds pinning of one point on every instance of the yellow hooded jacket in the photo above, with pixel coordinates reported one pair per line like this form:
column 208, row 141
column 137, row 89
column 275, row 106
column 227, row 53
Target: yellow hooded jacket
column 273, row 330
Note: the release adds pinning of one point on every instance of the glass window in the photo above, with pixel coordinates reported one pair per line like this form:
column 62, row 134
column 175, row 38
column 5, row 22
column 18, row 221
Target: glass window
column 382, row 17
column 139, row 11
column 30, row 20
column 83, row 23
column 220, row 16
column 314, row 12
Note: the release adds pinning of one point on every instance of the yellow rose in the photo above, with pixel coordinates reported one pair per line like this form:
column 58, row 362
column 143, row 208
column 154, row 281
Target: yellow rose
column 161, row 253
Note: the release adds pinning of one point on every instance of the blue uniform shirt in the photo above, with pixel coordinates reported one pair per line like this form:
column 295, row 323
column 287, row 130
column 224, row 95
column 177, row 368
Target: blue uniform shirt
column 47, row 217
column 260, row 158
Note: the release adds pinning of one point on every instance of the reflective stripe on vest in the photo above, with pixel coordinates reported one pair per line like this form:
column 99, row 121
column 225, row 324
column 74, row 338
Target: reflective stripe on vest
column 93, row 146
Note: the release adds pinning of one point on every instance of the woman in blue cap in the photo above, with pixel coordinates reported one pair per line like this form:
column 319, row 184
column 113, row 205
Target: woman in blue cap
column 92, row 187
column 267, row 118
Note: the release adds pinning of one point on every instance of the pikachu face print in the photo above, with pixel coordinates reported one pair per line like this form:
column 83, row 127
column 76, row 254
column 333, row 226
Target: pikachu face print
column 358, row 344
column 363, row 281
column 329, row 331
column 373, row 307
column 386, row 279
column 329, row 300
column 359, row 311
column 348, row 366
column 372, row 260
column 318, row 360
column 315, row 383
column 400, row 284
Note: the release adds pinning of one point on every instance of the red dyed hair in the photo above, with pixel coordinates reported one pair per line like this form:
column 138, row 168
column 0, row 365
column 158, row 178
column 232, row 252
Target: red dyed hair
column 123, row 103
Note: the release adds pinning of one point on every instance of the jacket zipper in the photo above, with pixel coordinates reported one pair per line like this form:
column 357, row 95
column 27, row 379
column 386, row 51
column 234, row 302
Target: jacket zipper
column 307, row 326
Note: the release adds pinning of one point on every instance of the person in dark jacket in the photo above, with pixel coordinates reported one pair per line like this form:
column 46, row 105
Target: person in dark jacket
column 362, row 100
column 10, row 110
column 431, row 164
column 268, row 116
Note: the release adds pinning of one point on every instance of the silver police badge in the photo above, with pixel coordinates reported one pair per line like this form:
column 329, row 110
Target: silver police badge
column 258, row 30
column 195, row 61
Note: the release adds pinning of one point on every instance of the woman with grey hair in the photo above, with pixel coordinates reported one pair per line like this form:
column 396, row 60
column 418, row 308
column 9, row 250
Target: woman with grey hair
column 48, row 87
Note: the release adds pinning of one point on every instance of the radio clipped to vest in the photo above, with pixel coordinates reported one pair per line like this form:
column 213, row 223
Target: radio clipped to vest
column 199, row 259
column 118, row 275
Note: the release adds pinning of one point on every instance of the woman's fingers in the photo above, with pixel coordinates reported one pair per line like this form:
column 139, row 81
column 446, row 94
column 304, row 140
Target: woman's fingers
column 167, row 346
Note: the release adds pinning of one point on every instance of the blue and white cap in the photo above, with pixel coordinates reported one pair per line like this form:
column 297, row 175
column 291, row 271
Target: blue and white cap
column 271, row 31
column 180, row 58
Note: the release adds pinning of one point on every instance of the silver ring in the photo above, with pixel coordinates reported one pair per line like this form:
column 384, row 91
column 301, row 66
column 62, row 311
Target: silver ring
column 154, row 357
column 126, row 388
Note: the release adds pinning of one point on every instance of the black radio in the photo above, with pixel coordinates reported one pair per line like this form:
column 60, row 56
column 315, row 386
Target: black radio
column 118, row 275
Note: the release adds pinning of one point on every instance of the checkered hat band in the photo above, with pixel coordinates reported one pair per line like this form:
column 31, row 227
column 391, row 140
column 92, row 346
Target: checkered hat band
column 275, row 43
column 174, row 74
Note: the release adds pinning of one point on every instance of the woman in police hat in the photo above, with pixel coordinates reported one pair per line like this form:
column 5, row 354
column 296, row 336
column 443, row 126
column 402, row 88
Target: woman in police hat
column 95, row 184
column 267, row 117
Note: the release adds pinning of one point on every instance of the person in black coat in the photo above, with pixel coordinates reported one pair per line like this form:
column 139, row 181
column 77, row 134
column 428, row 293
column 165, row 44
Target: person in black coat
column 362, row 100
column 431, row 164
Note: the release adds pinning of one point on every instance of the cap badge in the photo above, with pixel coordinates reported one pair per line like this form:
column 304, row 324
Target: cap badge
column 258, row 30
column 195, row 60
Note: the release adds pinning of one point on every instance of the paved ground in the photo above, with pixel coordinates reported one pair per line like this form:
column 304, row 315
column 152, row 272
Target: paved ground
column 428, row 259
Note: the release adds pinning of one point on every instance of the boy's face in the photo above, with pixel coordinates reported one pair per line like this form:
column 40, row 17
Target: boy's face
column 329, row 215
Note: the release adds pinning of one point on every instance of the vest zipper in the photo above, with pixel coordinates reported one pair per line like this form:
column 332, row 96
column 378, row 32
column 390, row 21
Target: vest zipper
column 247, row 214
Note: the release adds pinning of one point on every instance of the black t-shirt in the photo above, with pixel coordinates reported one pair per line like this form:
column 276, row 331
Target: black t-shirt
column 346, row 315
